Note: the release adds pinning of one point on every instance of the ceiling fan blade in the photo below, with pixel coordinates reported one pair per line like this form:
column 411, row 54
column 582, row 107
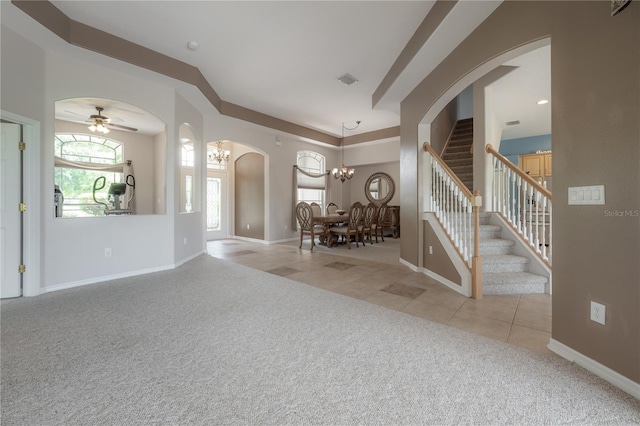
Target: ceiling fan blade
column 75, row 113
column 120, row 126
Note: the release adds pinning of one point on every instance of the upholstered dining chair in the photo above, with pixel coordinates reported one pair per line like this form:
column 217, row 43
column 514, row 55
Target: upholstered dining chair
column 368, row 219
column 317, row 210
column 378, row 225
column 331, row 208
column 304, row 214
column 351, row 227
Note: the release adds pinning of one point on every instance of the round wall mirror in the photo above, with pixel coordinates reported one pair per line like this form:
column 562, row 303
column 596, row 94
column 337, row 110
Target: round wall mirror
column 379, row 188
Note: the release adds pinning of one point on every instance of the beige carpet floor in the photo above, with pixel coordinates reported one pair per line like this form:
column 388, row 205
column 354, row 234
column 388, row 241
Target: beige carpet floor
column 217, row 343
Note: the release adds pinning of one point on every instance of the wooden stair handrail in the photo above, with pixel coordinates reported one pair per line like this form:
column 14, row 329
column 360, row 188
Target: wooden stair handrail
column 531, row 181
column 450, row 172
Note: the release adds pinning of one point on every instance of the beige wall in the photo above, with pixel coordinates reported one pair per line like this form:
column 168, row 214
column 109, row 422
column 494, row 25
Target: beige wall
column 443, row 124
column 595, row 110
column 438, row 261
column 249, row 196
column 363, row 173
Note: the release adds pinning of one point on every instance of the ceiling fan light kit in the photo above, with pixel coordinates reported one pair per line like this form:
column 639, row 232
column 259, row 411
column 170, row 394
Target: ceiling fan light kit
column 99, row 123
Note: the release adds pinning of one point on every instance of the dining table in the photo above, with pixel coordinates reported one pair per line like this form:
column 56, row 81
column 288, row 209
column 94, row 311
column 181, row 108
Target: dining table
column 327, row 221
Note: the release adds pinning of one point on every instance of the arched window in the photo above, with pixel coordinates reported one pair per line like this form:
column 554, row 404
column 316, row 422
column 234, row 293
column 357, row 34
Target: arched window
column 311, row 189
column 187, row 160
column 75, row 177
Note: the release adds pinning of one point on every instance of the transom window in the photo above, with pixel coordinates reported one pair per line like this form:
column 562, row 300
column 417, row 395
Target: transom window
column 76, row 181
column 88, row 149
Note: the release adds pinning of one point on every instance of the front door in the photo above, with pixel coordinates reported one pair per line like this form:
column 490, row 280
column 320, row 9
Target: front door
column 10, row 197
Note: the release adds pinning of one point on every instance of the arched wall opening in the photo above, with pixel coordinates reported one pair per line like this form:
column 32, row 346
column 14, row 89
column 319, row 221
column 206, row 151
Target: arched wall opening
column 92, row 136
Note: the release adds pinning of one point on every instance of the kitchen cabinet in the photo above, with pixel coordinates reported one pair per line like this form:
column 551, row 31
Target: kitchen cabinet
column 536, row 165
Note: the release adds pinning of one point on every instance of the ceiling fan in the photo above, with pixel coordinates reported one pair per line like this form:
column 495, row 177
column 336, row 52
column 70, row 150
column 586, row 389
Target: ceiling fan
column 100, row 123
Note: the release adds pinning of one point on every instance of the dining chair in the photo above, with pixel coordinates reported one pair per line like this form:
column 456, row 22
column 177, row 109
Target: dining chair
column 304, row 214
column 331, row 208
column 351, row 227
column 368, row 219
column 317, row 210
column 378, row 225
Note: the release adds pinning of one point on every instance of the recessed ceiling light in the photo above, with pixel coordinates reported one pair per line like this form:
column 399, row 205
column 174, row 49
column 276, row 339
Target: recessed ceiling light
column 348, row 79
column 192, row 45
column 543, row 101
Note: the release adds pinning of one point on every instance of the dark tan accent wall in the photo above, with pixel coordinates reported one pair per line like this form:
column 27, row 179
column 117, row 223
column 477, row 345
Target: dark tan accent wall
column 249, row 196
column 443, row 124
column 595, row 102
column 438, row 262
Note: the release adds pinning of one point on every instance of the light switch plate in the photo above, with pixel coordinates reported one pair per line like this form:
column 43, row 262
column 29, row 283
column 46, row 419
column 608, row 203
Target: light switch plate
column 586, row 195
column 598, row 312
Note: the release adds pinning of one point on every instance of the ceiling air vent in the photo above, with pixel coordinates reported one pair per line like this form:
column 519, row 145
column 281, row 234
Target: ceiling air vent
column 348, row 79
column 512, row 123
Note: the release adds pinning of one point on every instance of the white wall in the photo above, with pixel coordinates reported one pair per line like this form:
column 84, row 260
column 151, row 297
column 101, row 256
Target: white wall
column 189, row 227
column 72, row 250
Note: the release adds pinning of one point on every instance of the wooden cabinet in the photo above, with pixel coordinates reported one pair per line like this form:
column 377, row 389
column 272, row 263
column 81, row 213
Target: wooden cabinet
column 536, row 165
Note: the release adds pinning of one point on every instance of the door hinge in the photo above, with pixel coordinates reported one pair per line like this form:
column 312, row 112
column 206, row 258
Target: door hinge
column 22, row 268
column 22, row 207
column 22, row 146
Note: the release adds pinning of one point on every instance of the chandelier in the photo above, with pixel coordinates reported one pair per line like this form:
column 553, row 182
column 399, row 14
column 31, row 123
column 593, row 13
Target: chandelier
column 218, row 154
column 343, row 173
column 99, row 122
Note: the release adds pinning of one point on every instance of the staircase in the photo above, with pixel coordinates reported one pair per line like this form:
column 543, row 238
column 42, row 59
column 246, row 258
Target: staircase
column 502, row 271
column 457, row 154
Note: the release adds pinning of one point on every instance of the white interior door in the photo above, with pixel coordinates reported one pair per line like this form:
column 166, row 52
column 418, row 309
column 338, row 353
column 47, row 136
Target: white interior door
column 9, row 213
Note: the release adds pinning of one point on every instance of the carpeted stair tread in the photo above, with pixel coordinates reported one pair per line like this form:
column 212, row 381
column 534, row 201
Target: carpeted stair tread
column 512, row 278
column 504, row 258
column 493, row 242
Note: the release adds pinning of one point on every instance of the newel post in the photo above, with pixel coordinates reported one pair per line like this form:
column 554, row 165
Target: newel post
column 476, row 260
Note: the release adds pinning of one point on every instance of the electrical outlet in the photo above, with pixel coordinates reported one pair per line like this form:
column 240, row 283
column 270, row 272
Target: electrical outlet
column 247, row 226
column 430, row 249
column 185, row 240
column 598, row 312
column 107, row 252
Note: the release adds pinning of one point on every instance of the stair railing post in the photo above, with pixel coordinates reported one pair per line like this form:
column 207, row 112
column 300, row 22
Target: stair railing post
column 476, row 263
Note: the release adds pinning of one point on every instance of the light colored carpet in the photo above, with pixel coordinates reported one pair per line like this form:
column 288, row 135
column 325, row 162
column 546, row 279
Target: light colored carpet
column 218, row 343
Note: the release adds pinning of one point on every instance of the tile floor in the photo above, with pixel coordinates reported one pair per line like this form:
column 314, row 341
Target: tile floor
column 522, row 320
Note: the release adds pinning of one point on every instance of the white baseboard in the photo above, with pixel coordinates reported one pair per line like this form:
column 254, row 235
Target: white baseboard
column 613, row 377
column 187, row 259
column 442, row 280
column 104, row 278
column 409, row 265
